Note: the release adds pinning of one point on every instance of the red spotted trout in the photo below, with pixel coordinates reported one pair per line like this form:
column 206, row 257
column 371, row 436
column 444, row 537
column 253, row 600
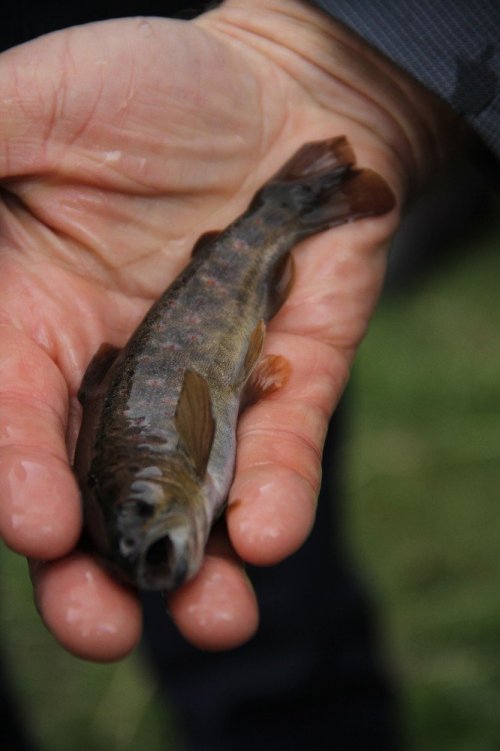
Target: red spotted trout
column 156, row 451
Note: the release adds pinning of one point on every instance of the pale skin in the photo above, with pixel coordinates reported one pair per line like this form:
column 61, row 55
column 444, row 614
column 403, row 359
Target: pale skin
column 121, row 143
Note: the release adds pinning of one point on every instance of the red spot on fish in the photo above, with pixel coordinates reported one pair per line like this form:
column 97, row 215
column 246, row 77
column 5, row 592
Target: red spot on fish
column 171, row 346
column 239, row 244
column 156, row 383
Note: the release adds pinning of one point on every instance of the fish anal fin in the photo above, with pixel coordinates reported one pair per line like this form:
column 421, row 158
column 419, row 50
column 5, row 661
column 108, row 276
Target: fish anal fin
column 271, row 373
column 97, row 369
column 194, row 420
column 282, row 283
column 204, row 241
column 255, row 344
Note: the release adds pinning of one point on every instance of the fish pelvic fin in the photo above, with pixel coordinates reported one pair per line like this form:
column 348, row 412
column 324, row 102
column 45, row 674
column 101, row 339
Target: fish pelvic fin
column 271, row 373
column 194, row 421
column 320, row 188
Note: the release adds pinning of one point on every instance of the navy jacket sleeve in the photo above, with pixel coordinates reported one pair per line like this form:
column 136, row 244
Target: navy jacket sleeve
column 451, row 46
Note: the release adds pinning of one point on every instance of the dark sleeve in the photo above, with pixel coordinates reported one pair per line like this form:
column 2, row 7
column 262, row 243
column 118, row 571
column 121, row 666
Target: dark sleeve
column 451, row 46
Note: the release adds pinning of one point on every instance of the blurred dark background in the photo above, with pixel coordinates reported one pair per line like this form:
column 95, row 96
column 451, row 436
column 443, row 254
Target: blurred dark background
column 25, row 20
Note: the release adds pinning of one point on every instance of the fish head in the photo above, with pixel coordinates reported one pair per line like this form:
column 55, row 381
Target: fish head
column 154, row 533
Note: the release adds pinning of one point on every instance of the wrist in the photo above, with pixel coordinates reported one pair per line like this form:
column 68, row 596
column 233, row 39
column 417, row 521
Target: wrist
column 390, row 115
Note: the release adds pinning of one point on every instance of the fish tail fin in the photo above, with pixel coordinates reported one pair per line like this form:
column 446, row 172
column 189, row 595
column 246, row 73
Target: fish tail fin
column 322, row 188
column 317, row 158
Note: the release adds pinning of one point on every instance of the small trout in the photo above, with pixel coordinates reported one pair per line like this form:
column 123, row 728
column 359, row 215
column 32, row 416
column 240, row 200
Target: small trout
column 156, row 451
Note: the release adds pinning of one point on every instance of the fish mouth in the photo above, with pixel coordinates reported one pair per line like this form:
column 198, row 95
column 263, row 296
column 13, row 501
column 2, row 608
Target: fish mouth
column 157, row 551
column 164, row 563
column 167, row 558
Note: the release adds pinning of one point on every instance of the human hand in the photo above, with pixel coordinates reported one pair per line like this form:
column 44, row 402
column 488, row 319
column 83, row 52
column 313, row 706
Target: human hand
column 122, row 142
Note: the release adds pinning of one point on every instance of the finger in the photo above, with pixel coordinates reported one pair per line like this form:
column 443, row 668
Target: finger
column 39, row 501
column 90, row 613
column 217, row 610
column 273, row 498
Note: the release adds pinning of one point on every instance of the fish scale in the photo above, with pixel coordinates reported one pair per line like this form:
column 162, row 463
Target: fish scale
column 156, row 451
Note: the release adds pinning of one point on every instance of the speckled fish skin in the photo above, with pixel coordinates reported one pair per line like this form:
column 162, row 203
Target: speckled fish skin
column 153, row 410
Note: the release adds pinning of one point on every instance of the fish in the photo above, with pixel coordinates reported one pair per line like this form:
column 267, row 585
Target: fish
column 155, row 454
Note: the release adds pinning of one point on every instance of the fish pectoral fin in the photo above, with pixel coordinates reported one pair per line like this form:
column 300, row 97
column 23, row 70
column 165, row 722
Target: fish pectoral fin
column 202, row 243
column 255, row 344
column 194, row 420
column 97, row 369
column 270, row 374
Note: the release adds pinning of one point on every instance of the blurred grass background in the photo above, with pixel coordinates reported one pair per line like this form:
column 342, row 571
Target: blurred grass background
column 424, row 520
column 424, row 491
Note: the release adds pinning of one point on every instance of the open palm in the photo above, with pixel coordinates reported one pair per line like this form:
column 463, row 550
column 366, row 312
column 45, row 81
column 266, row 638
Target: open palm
column 121, row 143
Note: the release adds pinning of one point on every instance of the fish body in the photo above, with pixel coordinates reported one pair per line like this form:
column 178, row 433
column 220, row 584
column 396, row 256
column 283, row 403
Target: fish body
column 156, row 451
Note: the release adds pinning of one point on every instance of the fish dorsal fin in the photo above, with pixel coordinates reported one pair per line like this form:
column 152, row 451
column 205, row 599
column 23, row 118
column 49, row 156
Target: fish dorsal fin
column 255, row 344
column 194, row 420
column 96, row 371
column 205, row 240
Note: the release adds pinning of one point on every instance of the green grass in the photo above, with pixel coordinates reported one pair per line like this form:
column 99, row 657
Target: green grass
column 424, row 493
column 423, row 479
